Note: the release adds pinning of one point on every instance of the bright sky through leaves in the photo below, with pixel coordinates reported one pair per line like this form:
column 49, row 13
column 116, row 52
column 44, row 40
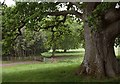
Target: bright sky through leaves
column 8, row 2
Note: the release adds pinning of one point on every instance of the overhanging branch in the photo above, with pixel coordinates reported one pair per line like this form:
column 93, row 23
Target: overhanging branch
column 113, row 30
column 112, row 15
column 19, row 30
column 54, row 25
column 63, row 13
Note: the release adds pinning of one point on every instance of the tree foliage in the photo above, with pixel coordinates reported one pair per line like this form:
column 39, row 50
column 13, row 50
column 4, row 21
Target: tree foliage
column 36, row 16
column 22, row 22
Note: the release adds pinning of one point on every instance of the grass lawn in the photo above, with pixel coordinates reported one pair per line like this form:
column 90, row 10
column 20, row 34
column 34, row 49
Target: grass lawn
column 60, row 71
column 40, row 72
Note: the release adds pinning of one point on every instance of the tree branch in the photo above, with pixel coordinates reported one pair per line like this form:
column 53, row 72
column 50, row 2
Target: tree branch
column 113, row 30
column 19, row 30
column 3, row 3
column 54, row 25
column 112, row 15
column 59, row 13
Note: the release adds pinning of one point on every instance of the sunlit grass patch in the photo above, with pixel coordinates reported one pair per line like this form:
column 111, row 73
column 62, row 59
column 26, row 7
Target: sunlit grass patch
column 59, row 52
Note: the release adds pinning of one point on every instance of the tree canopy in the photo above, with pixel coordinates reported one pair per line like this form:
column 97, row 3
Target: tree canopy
column 24, row 20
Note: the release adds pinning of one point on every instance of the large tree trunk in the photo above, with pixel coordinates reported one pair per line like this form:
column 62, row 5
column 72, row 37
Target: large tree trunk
column 100, row 59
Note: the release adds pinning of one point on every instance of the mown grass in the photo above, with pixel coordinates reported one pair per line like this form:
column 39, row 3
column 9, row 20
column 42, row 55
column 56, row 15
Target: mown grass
column 39, row 73
column 60, row 71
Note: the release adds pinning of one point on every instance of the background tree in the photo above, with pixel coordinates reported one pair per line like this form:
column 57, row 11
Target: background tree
column 72, row 37
column 17, row 37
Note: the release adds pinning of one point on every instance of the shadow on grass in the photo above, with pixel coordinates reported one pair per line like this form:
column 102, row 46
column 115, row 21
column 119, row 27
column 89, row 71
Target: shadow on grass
column 53, row 74
column 45, row 73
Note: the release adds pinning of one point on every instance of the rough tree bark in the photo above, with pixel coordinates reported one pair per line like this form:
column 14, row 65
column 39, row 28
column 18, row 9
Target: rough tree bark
column 100, row 59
